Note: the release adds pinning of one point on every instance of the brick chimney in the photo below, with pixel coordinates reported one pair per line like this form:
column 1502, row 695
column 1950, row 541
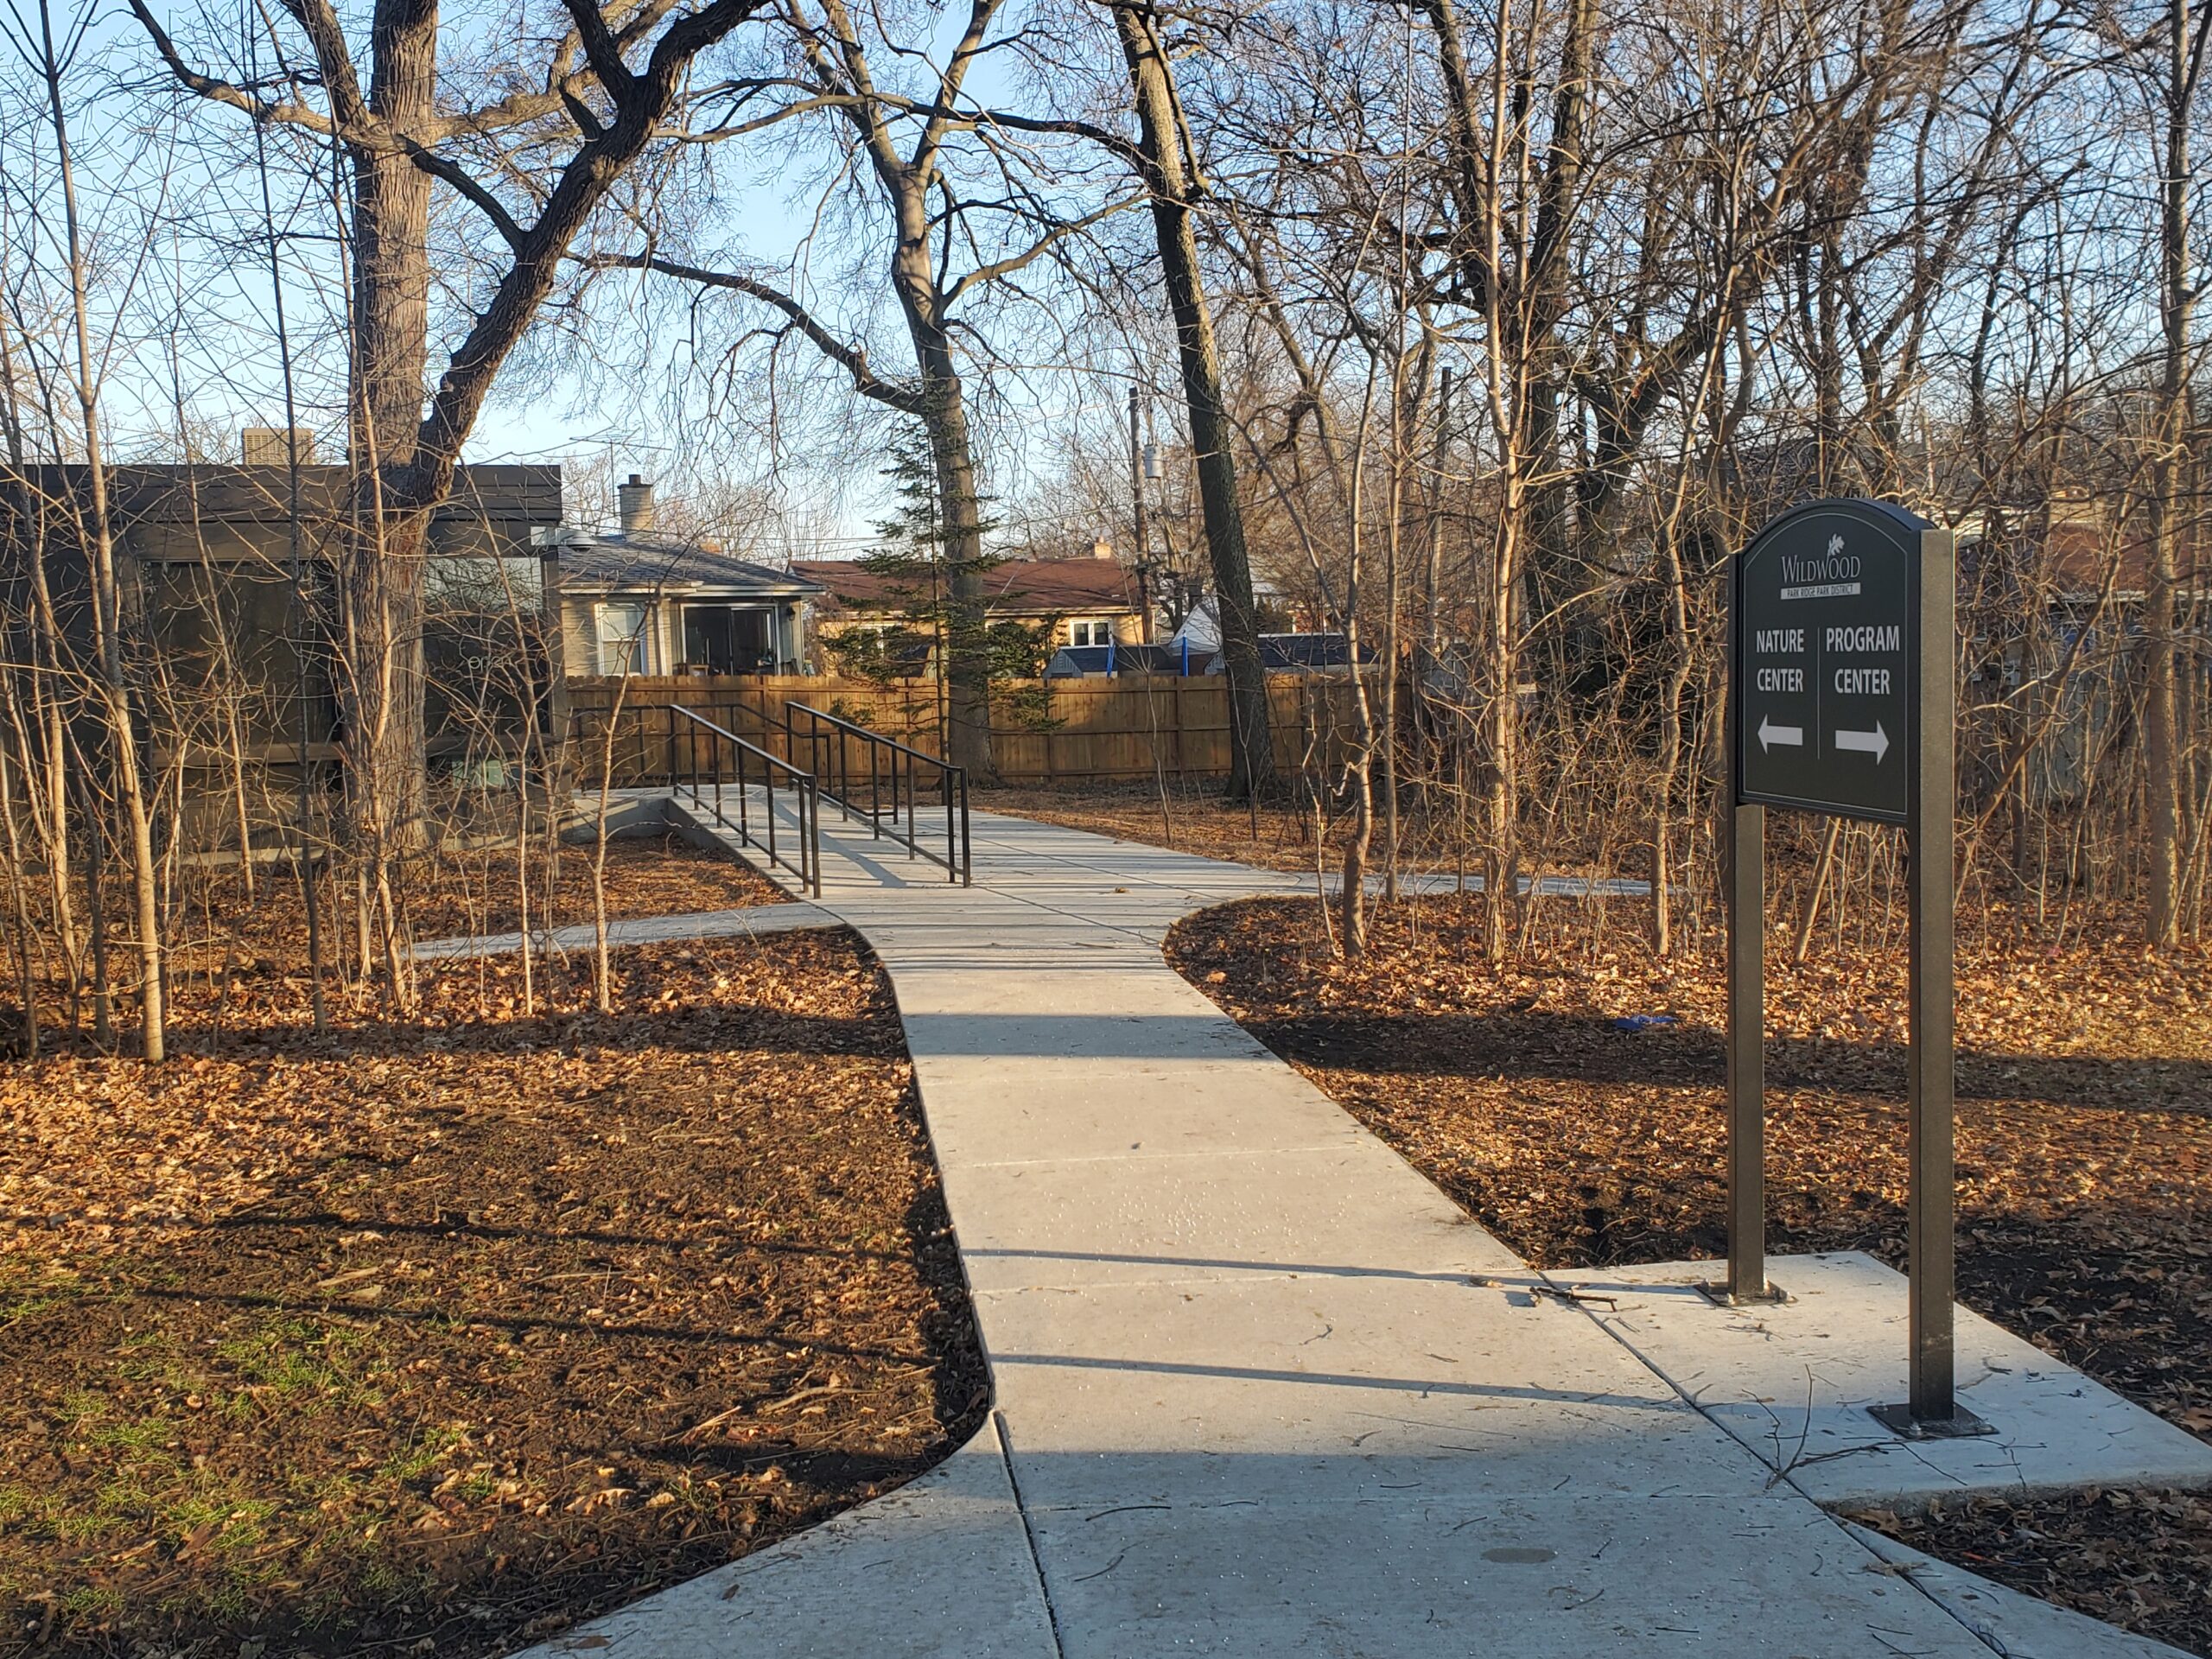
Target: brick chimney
column 1102, row 548
column 266, row 445
column 634, row 500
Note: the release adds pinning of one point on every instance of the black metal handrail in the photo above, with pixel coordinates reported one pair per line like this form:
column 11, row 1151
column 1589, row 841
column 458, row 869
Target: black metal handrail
column 685, row 771
column 891, row 765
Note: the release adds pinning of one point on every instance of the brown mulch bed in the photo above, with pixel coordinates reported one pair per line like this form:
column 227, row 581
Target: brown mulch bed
column 236, row 962
column 646, row 876
column 438, row 1337
column 2084, row 1151
column 477, row 892
column 1198, row 821
column 1274, row 835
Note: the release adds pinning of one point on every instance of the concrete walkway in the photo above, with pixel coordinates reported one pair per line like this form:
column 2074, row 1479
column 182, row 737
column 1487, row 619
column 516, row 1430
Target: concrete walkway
column 641, row 930
column 1260, row 1389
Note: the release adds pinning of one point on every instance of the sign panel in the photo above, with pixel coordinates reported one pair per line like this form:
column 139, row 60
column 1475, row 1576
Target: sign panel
column 1825, row 644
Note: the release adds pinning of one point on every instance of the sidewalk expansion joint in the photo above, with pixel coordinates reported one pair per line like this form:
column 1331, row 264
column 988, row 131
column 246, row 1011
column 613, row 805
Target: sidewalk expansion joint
column 1028, row 1529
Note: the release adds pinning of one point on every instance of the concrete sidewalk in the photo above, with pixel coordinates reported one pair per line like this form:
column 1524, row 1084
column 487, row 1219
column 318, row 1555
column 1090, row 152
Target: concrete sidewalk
column 749, row 920
column 1261, row 1389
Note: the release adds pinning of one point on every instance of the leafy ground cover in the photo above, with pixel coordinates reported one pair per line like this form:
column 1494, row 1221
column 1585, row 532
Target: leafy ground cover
column 473, row 893
column 435, row 1336
column 1275, row 835
column 2084, row 1150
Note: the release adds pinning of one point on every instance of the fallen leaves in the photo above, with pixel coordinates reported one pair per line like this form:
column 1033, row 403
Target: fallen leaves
column 2138, row 1557
column 454, row 1332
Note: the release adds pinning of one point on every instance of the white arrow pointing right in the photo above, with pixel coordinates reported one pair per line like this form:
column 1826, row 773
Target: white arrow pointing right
column 1876, row 742
column 1770, row 734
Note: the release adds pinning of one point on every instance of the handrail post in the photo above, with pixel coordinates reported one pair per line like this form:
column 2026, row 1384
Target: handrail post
column 814, row 820
column 874, row 817
column 892, row 767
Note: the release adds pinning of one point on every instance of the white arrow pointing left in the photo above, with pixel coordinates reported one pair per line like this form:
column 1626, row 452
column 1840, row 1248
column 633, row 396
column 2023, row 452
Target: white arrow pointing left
column 1876, row 742
column 1770, row 734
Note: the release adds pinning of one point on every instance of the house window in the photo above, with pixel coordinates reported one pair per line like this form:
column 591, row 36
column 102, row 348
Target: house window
column 622, row 643
column 729, row 638
column 1092, row 631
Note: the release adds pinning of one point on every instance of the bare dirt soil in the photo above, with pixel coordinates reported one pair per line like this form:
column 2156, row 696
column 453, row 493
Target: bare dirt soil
column 436, row 1336
column 2084, row 1152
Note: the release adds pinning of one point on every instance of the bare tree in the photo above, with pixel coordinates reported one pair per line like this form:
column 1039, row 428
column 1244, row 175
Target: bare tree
column 1167, row 162
column 900, row 141
column 599, row 116
column 96, row 536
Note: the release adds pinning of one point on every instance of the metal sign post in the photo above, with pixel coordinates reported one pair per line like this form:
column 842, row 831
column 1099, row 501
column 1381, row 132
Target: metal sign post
column 1745, row 876
column 1932, row 1406
column 1841, row 700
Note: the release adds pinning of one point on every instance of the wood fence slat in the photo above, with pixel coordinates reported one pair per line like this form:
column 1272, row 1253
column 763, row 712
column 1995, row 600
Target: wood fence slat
column 1098, row 730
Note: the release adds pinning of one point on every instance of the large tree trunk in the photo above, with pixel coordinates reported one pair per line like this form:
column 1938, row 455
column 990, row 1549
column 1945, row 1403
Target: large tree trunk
column 967, row 634
column 383, row 577
column 2161, row 692
column 944, row 414
column 942, row 409
column 1161, row 145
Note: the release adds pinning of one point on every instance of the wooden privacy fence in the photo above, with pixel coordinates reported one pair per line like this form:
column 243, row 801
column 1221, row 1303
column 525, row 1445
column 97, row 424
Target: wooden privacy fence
column 1048, row 731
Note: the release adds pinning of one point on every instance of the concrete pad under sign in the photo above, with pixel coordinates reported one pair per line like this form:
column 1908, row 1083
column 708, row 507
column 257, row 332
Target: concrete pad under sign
column 1793, row 1382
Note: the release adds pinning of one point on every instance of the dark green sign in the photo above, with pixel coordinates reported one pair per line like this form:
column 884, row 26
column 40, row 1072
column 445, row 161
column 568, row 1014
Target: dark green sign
column 1842, row 699
column 1826, row 639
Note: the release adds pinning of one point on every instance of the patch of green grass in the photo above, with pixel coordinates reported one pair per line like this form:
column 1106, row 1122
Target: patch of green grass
column 233, row 1522
column 383, row 1576
column 147, row 1434
column 310, row 1367
column 80, row 1407
column 26, row 1293
column 415, row 1461
column 93, row 1602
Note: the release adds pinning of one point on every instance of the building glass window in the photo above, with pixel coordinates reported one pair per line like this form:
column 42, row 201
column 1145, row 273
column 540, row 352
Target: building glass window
column 621, row 628
column 1092, row 631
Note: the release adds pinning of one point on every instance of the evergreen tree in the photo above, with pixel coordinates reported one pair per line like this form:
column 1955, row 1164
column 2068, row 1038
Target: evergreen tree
column 917, row 574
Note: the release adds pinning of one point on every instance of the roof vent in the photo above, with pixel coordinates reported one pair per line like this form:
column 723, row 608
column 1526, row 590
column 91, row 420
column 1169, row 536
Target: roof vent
column 271, row 446
column 634, row 501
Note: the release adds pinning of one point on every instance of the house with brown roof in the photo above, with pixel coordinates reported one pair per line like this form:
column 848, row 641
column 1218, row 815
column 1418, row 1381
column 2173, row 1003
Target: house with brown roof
column 1091, row 602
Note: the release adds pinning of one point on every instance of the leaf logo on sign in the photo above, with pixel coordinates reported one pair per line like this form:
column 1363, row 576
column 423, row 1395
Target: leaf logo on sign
column 1835, row 545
